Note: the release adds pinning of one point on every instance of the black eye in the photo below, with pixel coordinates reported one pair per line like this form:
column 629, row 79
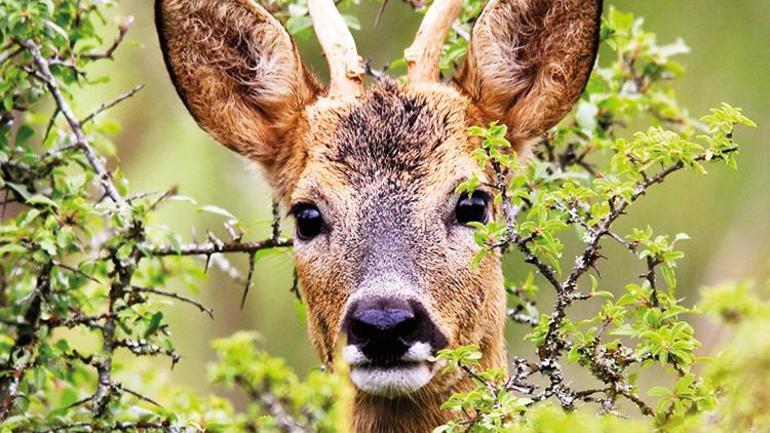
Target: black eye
column 309, row 221
column 472, row 209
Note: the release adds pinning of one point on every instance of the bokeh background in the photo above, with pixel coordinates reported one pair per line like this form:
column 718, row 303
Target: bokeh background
column 727, row 213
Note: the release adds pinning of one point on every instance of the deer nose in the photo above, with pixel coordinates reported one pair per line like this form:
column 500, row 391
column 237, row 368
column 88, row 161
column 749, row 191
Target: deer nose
column 384, row 329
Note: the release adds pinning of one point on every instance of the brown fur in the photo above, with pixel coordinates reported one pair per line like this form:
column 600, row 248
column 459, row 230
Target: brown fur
column 530, row 60
column 237, row 70
column 382, row 168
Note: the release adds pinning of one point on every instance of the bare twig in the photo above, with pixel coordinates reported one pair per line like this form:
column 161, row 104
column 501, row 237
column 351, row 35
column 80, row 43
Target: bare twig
column 8, row 54
column 176, row 296
column 211, row 248
column 121, row 426
column 123, row 29
column 144, row 348
column 106, row 106
column 461, row 32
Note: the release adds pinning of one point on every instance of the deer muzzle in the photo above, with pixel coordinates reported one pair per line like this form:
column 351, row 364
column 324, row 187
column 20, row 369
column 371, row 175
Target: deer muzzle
column 390, row 344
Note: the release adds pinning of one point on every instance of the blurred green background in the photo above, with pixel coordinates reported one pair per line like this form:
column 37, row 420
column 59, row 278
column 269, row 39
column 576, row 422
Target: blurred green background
column 727, row 213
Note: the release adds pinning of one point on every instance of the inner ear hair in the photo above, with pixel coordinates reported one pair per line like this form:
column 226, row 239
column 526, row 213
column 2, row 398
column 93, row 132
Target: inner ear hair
column 237, row 71
column 529, row 61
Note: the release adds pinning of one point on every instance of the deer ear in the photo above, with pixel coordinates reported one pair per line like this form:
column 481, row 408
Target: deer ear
column 237, row 71
column 529, row 61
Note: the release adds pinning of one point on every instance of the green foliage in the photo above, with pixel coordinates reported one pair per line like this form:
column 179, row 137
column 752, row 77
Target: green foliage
column 85, row 274
column 740, row 374
column 316, row 403
column 542, row 419
column 585, row 176
column 87, row 267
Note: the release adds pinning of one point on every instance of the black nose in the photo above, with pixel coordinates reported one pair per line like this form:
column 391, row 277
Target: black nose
column 385, row 328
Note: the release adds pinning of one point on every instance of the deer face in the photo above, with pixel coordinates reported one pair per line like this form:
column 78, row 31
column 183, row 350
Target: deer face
column 383, row 247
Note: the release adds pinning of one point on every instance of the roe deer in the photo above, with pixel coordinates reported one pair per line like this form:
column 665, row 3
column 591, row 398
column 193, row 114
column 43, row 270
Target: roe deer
column 382, row 245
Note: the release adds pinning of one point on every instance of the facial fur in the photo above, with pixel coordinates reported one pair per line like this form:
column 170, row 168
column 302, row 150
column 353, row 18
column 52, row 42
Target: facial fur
column 383, row 171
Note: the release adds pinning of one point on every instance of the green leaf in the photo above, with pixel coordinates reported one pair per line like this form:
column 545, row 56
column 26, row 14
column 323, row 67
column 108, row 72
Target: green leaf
column 267, row 252
column 68, row 397
column 154, row 324
column 25, row 133
column 218, row 211
column 173, row 239
column 39, row 199
column 20, row 189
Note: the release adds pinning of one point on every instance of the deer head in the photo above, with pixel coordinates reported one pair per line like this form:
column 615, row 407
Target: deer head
column 382, row 245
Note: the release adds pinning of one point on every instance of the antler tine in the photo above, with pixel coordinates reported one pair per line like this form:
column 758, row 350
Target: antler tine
column 423, row 56
column 345, row 66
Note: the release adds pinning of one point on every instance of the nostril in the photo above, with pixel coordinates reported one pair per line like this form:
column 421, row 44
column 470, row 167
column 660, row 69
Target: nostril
column 406, row 329
column 361, row 330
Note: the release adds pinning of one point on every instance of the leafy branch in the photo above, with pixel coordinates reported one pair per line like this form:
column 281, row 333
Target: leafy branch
column 102, row 282
column 586, row 177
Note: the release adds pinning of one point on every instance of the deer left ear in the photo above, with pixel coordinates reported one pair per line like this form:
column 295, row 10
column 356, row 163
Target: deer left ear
column 237, row 71
column 529, row 61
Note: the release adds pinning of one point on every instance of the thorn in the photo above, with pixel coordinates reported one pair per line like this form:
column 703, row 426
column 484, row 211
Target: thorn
column 380, row 12
column 206, row 266
column 175, row 358
column 248, row 280
column 295, row 285
column 276, row 222
column 231, row 231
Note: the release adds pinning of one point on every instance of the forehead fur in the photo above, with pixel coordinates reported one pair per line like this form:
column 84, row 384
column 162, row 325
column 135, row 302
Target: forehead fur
column 395, row 134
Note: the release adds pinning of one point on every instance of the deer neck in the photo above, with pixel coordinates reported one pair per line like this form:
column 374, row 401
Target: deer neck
column 413, row 414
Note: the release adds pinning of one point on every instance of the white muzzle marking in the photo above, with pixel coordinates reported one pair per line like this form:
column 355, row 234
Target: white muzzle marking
column 413, row 371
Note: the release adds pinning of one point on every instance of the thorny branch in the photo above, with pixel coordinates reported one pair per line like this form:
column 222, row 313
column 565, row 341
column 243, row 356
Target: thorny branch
column 606, row 365
column 121, row 426
column 43, row 73
column 173, row 295
column 273, row 406
column 122, row 294
column 217, row 247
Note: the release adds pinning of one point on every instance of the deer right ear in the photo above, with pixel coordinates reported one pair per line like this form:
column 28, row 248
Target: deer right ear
column 237, row 71
column 529, row 60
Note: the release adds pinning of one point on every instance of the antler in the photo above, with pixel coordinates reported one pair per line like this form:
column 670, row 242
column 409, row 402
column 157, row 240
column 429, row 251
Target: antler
column 345, row 66
column 423, row 56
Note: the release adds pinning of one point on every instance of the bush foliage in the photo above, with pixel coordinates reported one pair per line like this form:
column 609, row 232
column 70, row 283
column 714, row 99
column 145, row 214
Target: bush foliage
column 86, row 267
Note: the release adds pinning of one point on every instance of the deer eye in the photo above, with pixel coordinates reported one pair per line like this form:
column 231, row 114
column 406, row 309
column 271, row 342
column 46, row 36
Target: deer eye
column 473, row 208
column 309, row 221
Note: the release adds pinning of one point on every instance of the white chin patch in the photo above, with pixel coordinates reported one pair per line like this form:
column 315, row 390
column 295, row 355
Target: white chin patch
column 405, row 377
column 393, row 381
